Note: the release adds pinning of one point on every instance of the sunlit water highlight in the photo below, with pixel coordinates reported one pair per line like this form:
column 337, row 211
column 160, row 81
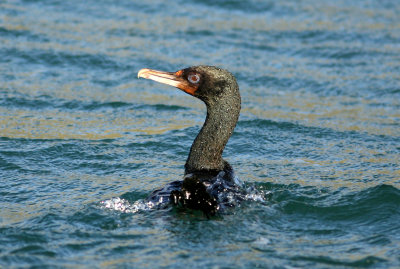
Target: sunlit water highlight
column 83, row 142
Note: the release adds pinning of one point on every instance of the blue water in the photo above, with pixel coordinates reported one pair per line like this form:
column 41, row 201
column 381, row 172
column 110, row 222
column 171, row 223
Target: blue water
column 83, row 141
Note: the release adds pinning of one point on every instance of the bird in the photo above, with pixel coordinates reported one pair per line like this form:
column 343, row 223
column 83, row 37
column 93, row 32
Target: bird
column 209, row 182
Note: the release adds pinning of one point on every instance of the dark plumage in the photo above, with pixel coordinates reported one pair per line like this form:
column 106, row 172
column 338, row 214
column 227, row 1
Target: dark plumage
column 207, row 174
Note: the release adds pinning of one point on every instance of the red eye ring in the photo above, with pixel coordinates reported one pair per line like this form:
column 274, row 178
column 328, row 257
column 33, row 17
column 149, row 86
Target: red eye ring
column 194, row 78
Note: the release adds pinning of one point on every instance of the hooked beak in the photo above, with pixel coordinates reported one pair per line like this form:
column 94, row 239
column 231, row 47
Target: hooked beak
column 170, row 78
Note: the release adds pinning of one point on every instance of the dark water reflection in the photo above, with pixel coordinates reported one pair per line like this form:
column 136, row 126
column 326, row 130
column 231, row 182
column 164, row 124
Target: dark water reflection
column 318, row 135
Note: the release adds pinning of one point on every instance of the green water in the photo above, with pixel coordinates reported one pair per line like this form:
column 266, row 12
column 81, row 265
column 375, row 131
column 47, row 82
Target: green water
column 317, row 144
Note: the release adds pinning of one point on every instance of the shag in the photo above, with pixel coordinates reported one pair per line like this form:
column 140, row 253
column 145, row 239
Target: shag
column 209, row 181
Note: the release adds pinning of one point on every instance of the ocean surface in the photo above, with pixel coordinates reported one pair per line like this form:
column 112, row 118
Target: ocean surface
column 83, row 142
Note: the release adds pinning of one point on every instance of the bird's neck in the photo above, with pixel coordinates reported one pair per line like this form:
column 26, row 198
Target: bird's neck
column 206, row 152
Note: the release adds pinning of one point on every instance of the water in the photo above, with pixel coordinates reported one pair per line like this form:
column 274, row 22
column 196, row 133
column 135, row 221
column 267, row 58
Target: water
column 317, row 143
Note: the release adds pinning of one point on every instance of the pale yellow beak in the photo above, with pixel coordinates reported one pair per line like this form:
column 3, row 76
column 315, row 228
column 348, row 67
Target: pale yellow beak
column 175, row 79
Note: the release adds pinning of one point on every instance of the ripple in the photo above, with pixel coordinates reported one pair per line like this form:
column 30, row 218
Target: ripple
column 317, row 144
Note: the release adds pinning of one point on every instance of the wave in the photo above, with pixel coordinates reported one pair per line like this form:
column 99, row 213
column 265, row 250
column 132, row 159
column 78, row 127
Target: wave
column 48, row 102
column 376, row 204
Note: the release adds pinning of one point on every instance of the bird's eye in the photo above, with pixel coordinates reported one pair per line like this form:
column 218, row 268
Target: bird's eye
column 194, row 78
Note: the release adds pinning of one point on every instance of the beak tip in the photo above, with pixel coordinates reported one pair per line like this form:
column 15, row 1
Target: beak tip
column 142, row 73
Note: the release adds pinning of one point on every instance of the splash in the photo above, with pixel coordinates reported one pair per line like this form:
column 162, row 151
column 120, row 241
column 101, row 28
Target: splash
column 124, row 206
column 228, row 194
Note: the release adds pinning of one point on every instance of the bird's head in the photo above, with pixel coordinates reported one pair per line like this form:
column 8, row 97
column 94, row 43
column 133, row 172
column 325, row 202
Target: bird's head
column 204, row 82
